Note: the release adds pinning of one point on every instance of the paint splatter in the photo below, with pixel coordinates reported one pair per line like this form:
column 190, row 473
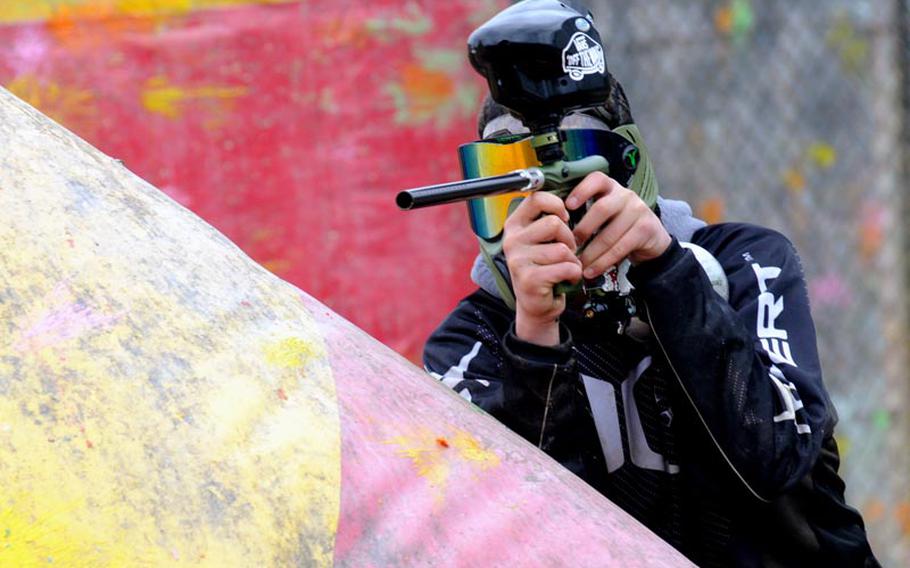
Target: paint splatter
column 161, row 97
column 277, row 266
column 794, row 180
column 88, row 24
column 291, row 353
column 735, row 20
column 413, row 23
column 872, row 229
column 29, row 49
column 63, row 103
column 844, row 445
column 830, row 291
column 433, row 89
column 817, row 156
column 852, row 49
column 882, row 419
column 822, row 155
column 420, row 92
column 712, row 210
column 342, row 31
column 902, row 514
column 874, row 511
column 64, row 320
column 75, row 10
column 430, row 455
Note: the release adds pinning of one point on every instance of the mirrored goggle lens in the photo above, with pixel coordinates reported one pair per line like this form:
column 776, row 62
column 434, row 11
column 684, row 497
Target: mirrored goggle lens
column 490, row 158
column 506, row 154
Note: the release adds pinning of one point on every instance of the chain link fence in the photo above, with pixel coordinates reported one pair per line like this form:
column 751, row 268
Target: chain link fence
column 790, row 115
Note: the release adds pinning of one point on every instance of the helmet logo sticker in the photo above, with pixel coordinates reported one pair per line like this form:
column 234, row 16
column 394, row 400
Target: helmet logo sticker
column 583, row 56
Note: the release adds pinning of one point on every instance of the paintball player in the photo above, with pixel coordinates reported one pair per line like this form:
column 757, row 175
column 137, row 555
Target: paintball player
column 705, row 417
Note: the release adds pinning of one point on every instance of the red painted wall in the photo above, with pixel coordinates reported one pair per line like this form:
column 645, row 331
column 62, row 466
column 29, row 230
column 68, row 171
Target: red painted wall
column 289, row 127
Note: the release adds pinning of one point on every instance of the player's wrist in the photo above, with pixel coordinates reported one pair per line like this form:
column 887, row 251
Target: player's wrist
column 659, row 244
column 536, row 330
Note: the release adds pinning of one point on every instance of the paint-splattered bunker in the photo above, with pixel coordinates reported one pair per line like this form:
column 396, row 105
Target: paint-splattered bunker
column 166, row 401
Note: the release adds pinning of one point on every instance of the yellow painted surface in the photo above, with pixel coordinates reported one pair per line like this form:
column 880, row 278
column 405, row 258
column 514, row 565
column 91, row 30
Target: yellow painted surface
column 12, row 11
column 164, row 401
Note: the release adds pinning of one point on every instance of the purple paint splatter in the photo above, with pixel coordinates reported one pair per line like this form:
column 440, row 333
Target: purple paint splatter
column 64, row 320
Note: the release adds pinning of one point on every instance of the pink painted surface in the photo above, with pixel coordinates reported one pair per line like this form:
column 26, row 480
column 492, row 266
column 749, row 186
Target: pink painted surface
column 428, row 479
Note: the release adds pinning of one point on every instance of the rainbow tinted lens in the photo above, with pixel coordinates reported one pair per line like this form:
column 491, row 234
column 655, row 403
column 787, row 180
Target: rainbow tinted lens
column 501, row 156
column 490, row 158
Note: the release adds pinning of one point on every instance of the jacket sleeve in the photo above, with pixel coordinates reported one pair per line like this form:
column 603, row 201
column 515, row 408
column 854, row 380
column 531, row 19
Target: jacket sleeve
column 748, row 366
column 535, row 391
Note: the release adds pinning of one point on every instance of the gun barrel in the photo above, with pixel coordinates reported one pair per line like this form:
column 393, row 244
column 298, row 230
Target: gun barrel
column 468, row 189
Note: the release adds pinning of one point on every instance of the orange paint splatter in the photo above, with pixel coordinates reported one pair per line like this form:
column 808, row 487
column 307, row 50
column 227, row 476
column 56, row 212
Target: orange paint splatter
column 902, row 514
column 89, row 444
column 426, row 89
column 874, row 511
column 872, row 231
column 348, row 32
column 70, row 106
column 723, row 19
column 794, row 180
column 90, row 24
column 430, row 456
column 712, row 210
column 277, row 266
column 281, row 394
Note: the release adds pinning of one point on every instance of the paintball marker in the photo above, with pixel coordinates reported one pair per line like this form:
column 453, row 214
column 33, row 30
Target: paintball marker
column 542, row 61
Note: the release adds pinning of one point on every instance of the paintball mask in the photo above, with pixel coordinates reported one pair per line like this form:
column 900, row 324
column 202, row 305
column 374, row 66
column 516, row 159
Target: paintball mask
column 506, row 146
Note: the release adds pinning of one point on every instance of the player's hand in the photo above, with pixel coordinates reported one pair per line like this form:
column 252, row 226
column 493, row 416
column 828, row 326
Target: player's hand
column 540, row 252
column 622, row 225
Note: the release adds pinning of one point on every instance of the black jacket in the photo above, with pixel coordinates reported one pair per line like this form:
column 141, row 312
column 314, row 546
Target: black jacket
column 712, row 427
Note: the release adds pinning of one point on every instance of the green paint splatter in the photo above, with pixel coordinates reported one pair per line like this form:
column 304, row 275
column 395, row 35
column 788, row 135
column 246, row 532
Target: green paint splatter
column 415, row 23
column 446, row 60
column 462, row 105
column 486, row 10
column 743, row 18
column 881, row 419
